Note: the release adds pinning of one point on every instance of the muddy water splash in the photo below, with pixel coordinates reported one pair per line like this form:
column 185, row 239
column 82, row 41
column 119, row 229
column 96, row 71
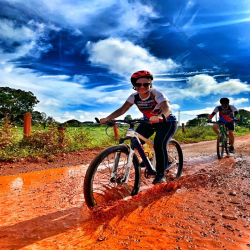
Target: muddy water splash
column 205, row 209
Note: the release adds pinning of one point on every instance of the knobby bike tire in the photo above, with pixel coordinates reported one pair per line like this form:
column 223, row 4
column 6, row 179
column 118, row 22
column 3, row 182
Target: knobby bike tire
column 99, row 189
column 220, row 146
column 178, row 155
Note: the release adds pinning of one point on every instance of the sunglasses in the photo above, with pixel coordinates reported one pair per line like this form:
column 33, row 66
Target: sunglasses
column 138, row 85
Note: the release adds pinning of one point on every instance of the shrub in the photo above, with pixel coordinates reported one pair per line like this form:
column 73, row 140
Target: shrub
column 8, row 134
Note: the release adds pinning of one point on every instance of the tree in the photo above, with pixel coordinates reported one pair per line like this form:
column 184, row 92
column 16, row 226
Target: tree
column 128, row 117
column 202, row 119
column 16, row 101
column 73, row 123
column 38, row 117
column 193, row 122
column 50, row 120
column 244, row 117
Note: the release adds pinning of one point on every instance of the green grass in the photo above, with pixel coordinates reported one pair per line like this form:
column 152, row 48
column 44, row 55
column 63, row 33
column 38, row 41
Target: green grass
column 204, row 133
column 48, row 142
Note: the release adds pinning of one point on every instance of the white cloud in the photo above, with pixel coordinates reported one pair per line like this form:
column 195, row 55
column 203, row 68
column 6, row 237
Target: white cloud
column 108, row 100
column 124, row 17
column 203, row 85
column 246, row 108
column 128, row 57
column 10, row 32
column 191, row 114
column 234, row 101
column 32, row 38
column 175, row 106
column 238, row 101
column 198, row 111
column 81, row 79
column 67, row 116
column 51, row 103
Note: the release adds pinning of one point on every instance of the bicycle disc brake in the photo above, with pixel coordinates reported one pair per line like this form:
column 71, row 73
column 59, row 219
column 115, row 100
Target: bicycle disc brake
column 116, row 180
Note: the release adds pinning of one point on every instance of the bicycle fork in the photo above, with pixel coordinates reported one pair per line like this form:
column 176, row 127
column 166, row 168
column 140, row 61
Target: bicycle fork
column 127, row 168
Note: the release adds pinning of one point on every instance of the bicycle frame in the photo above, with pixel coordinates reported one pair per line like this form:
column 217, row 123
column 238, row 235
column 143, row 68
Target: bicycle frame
column 136, row 144
column 224, row 132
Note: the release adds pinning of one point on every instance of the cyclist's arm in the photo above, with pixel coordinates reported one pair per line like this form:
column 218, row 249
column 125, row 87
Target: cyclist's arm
column 166, row 109
column 212, row 115
column 123, row 109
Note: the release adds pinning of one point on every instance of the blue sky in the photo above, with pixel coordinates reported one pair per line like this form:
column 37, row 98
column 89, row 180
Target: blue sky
column 77, row 56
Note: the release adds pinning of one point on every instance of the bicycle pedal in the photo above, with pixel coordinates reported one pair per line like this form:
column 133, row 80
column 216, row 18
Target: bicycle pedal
column 148, row 174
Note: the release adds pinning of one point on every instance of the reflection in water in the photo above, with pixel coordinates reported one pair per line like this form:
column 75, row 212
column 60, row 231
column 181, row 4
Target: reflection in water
column 17, row 183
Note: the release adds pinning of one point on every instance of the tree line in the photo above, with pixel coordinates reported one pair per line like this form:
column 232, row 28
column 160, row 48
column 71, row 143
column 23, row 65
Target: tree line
column 201, row 120
column 14, row 103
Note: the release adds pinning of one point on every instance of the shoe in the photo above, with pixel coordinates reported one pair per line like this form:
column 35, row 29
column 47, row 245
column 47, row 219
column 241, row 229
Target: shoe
column 231, row 149
column 159, row 179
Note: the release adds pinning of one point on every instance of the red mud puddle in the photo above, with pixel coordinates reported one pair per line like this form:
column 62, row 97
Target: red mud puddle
column 45, row 210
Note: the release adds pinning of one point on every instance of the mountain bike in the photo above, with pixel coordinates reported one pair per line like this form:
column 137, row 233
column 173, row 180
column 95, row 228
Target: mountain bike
column 115, row 173
column 223, row 140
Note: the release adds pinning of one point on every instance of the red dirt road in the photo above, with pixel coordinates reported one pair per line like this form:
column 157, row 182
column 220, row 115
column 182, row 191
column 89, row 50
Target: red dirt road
column 208, row 208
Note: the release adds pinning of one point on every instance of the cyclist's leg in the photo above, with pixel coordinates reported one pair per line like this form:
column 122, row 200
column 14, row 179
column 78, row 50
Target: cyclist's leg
column 164, row 132
column 231, row 132
column 215, row 128
column 231, row 136
column 145, row 130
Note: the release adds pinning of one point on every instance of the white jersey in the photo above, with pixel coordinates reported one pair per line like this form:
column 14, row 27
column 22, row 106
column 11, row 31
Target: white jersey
column 150, row 106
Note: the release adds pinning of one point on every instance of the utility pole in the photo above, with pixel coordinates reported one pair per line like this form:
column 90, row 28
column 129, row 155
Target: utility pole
column 179, row 119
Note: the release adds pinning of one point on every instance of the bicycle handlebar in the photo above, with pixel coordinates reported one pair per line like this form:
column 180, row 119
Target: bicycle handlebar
column 112, row 122
column 234, row 120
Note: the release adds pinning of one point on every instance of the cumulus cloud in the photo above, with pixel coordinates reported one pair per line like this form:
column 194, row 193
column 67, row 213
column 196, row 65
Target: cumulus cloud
column 128, row 57
column 234, row 101
column 67, row 116
column 175, row 106
column 51, row 103
column 203, row 85
column 238, row 101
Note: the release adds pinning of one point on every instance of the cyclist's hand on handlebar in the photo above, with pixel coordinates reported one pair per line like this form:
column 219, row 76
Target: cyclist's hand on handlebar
column 104, row 120
column 154, row 119
column 209, row 120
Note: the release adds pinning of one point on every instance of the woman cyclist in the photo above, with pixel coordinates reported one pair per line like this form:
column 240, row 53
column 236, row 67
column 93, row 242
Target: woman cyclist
column 152, row 104
column 226, row 114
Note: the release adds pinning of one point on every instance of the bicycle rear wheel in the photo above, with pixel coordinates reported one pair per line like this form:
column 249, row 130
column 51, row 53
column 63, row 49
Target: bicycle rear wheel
column 101, row 187
column 220, row 146
column 175, row 159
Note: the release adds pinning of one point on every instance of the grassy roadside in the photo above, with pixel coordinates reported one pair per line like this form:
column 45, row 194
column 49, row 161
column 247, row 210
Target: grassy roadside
column 49, row 142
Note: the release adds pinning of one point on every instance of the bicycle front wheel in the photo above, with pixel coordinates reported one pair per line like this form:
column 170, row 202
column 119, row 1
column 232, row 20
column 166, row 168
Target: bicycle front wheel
column 105, row 178
column 175, row 159
column 220, row 146
column 227, row 144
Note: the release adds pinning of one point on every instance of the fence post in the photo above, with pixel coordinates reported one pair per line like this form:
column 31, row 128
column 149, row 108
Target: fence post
column 183, row 128
column 116, row 131
column 27, row 124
